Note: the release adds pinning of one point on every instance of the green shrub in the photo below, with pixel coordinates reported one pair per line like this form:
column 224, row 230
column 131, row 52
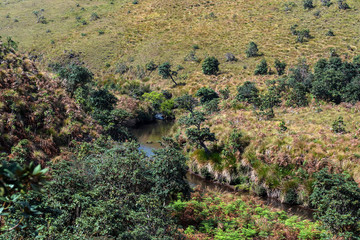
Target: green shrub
column 308, row 4
column 261, row 68
column 210, row 66
column 337, row 199
column 211, row 106
column 252, row 50
column 280, row 67
column 282, row 126
column 151, row 66
column 330, row 33
column 206, row 94
column 297, row 96
column 248, row 93
column 225, row 93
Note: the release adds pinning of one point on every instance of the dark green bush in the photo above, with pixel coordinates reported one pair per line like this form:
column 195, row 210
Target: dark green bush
column 210, row 66
column 297, row 96
column 330, row 33
column 74, row 76
column 248, row 93
column 225, row 93
column 151, row 66
column 280, row 67
column 308, row 4
column 206, row 94
column 211, row 106
column 337, row 199
column 261, row 68
column 252, row 50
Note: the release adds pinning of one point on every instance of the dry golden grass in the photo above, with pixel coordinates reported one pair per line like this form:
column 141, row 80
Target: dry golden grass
column 166, row 30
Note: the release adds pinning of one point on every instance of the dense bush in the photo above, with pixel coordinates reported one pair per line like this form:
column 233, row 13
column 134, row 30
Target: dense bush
column 212, row 106
column 252, row 50
column 116, row 193
column 308, row 4
column 248, row 93
column 297, row 96
column 74, row 76
column 337, row 199
column 335, row 80
column 210, row 66
column 280, row 67
column 206, row 94
column 261, row 68
column 338, row 126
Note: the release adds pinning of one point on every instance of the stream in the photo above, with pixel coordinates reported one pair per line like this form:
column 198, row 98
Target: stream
column 149, row 135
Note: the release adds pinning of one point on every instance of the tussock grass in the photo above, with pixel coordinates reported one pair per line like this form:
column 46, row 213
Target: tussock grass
column 166, row 31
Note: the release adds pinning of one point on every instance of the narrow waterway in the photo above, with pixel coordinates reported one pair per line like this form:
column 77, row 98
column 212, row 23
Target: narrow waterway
column 149, row 135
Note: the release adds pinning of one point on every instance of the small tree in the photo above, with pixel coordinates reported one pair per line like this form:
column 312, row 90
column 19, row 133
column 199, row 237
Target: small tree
column 166, row 72
column 151, row 66
column 308, row 4
column 252, row 50
column 262, row 68
column 195, row 133
column 210, row 66
column 186, row 102
column 206, row 94
column 280, row 67
column 248, row 93
column 75, row 76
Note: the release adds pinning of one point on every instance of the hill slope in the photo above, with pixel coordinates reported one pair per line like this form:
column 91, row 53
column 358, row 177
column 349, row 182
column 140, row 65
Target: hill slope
column 111, row 34
column 36, row 115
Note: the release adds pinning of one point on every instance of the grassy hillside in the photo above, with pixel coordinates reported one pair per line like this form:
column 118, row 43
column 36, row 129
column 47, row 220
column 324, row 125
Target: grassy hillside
column 37, row 117
column 115, row 39
column 134, row 34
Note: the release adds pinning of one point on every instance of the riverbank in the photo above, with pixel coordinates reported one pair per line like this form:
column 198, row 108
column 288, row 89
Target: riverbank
column 149, row 135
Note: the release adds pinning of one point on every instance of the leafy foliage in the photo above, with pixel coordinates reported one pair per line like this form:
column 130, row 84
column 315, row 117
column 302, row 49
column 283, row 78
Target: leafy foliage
column 186, row 102
column 261, row 68
column 308, row 4
column 210, row 66
column 195, row 133
column 248, row 93
column 206, row 94
column 166, row 72
column 75, row 76
column 280, row 67
column 252, row 50
column 215, row 216
column 117, row 193
column 337, row 199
